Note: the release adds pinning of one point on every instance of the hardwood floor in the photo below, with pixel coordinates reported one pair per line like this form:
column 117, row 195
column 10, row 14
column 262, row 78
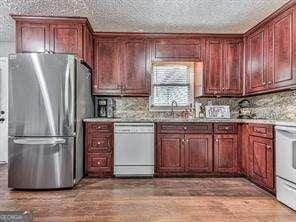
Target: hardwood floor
column 145, row 200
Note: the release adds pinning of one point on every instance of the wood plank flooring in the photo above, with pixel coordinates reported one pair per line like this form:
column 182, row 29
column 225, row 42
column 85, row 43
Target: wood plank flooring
column 149, row 200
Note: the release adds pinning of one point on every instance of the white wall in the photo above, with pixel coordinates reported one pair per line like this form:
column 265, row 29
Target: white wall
column 6, row 48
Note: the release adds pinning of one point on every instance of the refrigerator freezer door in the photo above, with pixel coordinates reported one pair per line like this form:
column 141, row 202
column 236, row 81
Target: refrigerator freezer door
column 41, row 163
column 41, row 95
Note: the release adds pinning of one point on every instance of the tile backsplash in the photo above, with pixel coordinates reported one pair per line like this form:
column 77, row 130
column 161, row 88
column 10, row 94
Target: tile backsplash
column 279, row 106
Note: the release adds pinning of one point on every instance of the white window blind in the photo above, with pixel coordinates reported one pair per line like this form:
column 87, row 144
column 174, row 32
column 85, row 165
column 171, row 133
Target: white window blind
column 171, row 81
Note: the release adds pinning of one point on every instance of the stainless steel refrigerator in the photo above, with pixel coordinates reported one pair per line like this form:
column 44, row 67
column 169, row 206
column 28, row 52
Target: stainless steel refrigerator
column 49, row 95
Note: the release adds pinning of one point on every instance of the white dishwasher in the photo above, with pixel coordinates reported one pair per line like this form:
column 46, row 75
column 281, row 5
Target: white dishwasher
column 133, row 149
column 286, row 165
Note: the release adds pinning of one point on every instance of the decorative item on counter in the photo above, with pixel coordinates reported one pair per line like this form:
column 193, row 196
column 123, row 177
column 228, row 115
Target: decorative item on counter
column 197, row 109
column 219, row 112
column 244, row 110
column 201, row 113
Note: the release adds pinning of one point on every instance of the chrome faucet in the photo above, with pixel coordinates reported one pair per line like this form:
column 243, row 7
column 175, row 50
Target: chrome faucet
column 174, row 102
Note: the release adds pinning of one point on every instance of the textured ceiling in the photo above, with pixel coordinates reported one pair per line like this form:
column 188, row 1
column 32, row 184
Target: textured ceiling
column 203, row 16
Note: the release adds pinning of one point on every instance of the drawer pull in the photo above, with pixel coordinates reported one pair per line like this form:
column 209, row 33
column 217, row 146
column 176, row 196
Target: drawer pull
column 226, row 128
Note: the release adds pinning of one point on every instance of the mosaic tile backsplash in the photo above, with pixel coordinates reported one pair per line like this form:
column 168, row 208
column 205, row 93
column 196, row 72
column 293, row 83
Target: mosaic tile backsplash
column 276, row 106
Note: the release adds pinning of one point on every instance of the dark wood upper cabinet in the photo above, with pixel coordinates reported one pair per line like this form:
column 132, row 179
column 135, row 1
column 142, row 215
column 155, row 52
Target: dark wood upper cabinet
column 223, row 69
column 88, row 47
column 261, row 161
column 32, row 37
column 56, row 34
column 233, row 67
column 214, row 67
column 225, row 153
column 199, row 153
column 106, row 79
column 282, row 45
column 136, row 78
column 256, row 61
column 120, row 67
column 66, row 38
column 170, row 153
column 177, row 49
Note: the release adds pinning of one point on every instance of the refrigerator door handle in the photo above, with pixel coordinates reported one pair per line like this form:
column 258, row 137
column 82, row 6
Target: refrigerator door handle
column 40, row 141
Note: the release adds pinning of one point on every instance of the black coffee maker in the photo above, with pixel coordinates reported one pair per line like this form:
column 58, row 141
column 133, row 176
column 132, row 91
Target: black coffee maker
column 104, row 107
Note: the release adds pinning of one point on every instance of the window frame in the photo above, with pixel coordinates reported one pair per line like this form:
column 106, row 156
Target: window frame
column 191, row 65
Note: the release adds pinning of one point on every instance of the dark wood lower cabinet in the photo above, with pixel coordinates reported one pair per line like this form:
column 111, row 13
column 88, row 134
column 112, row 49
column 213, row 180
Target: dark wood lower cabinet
column 225, row 153
column 99, row 140
column 170, row 153
column 199, row 153
column 261, row 159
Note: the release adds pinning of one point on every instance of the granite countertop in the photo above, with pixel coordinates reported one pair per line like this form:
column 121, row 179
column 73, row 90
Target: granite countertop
column 194, row 120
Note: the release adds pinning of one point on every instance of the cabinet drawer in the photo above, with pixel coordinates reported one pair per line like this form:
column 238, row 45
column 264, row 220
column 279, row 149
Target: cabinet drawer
column 100, row 143
column 225, row 128
column 261, row 130
column 99, row 162
column 100, row 127
column 185, row 128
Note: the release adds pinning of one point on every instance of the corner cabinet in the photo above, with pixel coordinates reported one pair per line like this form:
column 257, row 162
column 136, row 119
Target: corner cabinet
column 223, row 67
column 56, row 34
column 260, row 155
column 257, row 61
column 120, row 67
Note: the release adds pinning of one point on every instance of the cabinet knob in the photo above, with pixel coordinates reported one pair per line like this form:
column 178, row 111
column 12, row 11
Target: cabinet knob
column 264, row 83
column 187, row 141
column 99, row 163
column 226, row 128
column 185, row 128
column 99, row 127
column 269, row 147
column 269, row 83
column 99, row 143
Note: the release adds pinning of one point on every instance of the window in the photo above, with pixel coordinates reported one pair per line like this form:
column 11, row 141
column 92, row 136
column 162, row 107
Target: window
column 171, row 81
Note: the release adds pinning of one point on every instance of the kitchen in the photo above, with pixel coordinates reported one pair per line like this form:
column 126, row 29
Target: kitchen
column 122, row 111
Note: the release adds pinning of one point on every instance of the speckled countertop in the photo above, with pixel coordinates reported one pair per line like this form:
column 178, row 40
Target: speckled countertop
column 193, row 120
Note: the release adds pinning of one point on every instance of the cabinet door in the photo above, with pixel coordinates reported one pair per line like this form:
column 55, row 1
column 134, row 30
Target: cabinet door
column 88, row 47
column 225, row 153
column 32, row 37
column 256, row 61
column 106, row 79
column 214, row 67
column 170, row 153
column 189, row 49
column 135, row 80
column 232, row 59
column 66, row 38
column 199, row 153
column 282, row 44
column 261, row 156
